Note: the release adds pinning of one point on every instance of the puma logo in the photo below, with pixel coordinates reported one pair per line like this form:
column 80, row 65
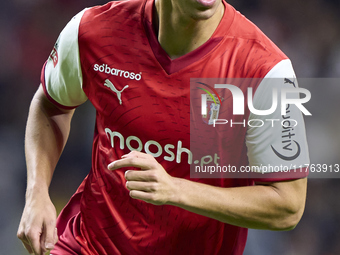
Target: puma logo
column 286, row 80
column 109, row 84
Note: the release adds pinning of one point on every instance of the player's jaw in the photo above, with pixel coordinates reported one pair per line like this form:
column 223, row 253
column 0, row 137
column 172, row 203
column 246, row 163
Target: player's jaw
column 195, row 9
column 206, row 8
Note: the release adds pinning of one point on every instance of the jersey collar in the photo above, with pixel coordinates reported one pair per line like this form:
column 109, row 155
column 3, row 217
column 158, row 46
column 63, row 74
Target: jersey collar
column 171, row 66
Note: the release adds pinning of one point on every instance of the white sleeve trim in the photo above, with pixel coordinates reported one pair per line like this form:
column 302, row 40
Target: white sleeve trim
column 63, row 75
column 273, row 144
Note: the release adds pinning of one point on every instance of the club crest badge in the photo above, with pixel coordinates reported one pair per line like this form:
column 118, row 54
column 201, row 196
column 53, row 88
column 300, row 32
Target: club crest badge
column 213, row 109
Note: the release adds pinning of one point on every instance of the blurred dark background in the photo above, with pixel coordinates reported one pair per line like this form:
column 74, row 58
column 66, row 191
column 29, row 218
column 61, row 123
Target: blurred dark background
column 307, row 31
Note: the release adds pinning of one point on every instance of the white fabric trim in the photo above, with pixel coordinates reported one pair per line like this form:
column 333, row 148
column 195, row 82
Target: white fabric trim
column 262, row 142
column 63, row 80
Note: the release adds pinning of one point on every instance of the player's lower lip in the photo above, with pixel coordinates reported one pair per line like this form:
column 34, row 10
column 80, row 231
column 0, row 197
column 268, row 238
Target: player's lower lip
column 206, row 3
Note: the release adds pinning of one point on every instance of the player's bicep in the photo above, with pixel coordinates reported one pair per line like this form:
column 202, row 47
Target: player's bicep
column 50, row 109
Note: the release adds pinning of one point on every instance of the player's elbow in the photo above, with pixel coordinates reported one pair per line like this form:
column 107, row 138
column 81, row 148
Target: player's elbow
column 288, row 223
column 288, row 204
column 288, row 218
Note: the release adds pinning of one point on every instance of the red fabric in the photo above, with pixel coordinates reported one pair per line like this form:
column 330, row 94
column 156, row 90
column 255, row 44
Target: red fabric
column 68, row 225
column 154, row 110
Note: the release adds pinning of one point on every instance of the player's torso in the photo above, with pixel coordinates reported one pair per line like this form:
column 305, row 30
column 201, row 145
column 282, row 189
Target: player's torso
column 143, row 103
column 141, row 97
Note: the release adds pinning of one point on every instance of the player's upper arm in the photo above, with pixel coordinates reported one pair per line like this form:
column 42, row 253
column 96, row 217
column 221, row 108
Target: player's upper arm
column 279, row 147
column 61, row 76
column 49, row 108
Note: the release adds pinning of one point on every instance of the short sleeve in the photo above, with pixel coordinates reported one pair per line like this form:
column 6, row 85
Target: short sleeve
column 276, row 143
column 61, row 76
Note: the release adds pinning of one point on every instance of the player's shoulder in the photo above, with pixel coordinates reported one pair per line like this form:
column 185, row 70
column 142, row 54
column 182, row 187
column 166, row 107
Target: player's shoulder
column 113, row 9
column 258, row 53
column 107, row 19
column 245, row 29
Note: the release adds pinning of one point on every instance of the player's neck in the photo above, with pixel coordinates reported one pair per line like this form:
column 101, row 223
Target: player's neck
column 178, row 33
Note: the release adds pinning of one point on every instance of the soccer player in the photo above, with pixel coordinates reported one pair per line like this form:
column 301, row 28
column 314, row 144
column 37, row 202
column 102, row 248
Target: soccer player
column 133, row 60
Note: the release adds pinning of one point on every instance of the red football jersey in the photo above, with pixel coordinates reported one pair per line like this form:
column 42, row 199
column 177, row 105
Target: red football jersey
column 110, row 55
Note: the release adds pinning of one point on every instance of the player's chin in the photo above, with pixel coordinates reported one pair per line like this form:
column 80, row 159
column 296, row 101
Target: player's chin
column 207, row 3
column 206, row 8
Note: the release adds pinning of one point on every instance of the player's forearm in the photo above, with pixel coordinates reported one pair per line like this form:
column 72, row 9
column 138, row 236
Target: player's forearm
column 275, row 206
column 259, row 206
column 46, row 134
